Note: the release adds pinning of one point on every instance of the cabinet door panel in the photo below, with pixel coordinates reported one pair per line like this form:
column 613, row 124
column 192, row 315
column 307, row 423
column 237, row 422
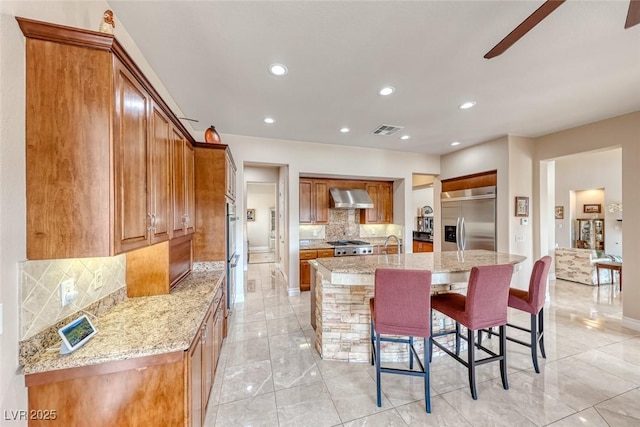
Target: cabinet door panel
column 305, row 202
column 195, row 379
column 178, row 183
column 305, row 276
column 321, row 203
column 190, row 188
column 160, row 175
column 131, row 108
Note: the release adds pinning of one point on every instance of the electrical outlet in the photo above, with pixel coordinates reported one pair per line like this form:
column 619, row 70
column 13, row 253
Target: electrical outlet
column 68, row 291
column 97, row 279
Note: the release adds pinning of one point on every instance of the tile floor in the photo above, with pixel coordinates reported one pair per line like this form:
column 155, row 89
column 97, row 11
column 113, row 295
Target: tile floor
column 270, row 374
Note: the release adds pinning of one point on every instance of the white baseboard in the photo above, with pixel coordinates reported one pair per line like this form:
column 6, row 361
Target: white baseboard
column 630, row 323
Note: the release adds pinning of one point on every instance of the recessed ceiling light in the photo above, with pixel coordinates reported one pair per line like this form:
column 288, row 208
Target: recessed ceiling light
column 405, row 137
column 269, row 120
column 467, row 105
column 344, row 130
column 454, row 143
column 278, row 69
column 387, row 90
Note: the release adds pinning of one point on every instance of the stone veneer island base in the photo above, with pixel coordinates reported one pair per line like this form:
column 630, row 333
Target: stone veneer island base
column 343, row 286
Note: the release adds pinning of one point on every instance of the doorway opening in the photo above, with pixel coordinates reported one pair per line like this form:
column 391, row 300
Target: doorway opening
column 261, row 222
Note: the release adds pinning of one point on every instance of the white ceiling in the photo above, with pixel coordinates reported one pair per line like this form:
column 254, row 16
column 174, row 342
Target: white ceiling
column 578, row 66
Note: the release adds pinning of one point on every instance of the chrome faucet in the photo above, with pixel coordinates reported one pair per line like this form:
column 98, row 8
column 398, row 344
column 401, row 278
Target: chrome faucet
column 386, row 243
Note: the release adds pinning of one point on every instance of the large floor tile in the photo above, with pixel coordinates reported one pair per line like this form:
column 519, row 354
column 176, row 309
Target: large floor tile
column 309, row 405
column 622, row 410
column 442, row 414
column 587, row 418
column 255, row 411
column 247, row 380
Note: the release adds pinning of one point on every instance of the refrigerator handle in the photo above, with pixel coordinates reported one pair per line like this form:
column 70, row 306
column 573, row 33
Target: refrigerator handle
column 458, row 233
column 463, row 236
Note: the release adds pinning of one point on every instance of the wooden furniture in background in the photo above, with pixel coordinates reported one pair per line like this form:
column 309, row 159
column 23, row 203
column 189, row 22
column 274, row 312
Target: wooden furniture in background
column 612, row 267
column 382, row 212
column 305, row 268
column 314, row 201
column 483, row 179
column 419, row 246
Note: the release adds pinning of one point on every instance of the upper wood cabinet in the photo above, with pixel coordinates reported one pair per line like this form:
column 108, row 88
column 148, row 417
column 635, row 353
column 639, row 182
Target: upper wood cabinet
column 98, row 150
column 382, row 212
column 214, row 169
column 183, row 188
column 314, row 201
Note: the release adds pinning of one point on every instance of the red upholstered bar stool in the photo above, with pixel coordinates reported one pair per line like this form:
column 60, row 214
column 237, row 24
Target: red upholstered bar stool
column 401, row 307
column 532, row 302
column 484, row 306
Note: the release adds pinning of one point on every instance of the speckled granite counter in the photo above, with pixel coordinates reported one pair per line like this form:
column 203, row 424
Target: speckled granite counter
column 142, row 326
column 344, row 285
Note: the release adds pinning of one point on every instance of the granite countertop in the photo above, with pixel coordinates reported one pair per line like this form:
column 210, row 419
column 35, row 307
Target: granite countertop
column 436, row 262
column 141, row 326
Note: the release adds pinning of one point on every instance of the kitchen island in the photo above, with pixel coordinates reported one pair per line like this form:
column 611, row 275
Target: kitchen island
column 344, row 285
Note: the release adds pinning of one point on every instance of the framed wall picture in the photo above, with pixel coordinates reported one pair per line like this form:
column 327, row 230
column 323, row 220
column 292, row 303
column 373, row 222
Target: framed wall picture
column 559, row 212
column 593, row 208
column 251, row 214
column 522, row 206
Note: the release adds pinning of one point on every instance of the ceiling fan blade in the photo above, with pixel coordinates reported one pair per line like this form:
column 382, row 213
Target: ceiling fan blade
column 534, row 19
column 633, row 16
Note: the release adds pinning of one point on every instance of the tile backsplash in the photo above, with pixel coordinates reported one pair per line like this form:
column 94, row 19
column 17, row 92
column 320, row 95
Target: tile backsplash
column 40, row 281
column 345, row 224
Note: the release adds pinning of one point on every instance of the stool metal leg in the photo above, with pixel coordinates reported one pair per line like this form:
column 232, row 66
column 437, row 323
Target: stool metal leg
column 472, row 363
column 457, row 339
column 378, row 388
column 427, row 375
column 503, row 353
column 541, row 332
column 534, row 342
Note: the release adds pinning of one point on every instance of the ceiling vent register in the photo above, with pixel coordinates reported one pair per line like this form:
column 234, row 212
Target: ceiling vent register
column 386, row 130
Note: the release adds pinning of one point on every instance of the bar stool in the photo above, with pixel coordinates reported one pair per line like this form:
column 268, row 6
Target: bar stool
column 532, row 302
column 484, row 306
column 401, row 306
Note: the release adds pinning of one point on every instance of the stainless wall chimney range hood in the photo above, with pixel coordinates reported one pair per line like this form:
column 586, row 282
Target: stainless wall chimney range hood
column 350, row 199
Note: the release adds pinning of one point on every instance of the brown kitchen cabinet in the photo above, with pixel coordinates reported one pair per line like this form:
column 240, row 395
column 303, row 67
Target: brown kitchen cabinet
column 215, row 170
column 420, row 246
column 98, row 156
column 382, row 212
column 305, row 268
column 183, row 185
column 314, row 201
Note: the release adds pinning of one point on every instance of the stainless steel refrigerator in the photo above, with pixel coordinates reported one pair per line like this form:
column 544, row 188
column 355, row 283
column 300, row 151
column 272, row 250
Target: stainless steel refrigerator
column 469, row 219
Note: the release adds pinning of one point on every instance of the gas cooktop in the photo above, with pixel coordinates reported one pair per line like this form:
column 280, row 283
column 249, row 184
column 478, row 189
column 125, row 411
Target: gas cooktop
column 348, row 243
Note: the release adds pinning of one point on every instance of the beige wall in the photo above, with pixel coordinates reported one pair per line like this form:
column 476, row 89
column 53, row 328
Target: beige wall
column 622, row 131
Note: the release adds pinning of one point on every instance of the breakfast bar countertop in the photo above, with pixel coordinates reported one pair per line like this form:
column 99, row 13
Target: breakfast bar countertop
column 142, row 326
column 448, row 264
